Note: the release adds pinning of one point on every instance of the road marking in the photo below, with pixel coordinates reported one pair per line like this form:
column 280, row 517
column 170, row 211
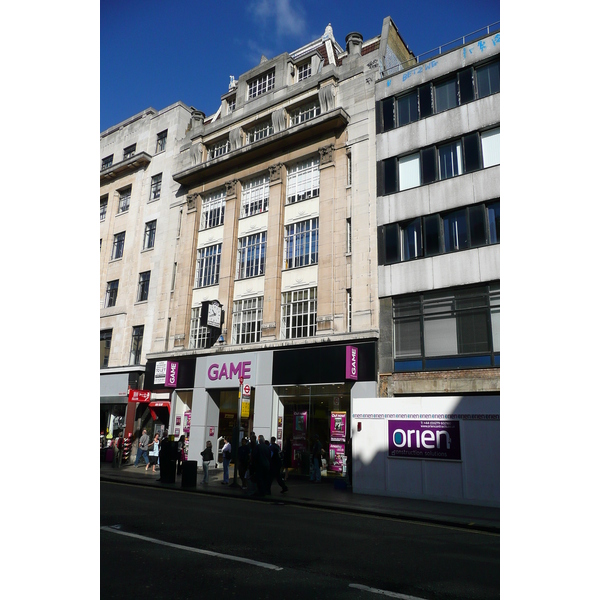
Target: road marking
column 383, row 592
column 190, row 549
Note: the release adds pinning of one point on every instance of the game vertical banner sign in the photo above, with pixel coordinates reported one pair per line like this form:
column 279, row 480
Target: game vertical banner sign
column 438, row 440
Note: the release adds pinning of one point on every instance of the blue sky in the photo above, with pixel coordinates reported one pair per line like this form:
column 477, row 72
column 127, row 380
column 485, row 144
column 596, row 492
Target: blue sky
column 156, row 52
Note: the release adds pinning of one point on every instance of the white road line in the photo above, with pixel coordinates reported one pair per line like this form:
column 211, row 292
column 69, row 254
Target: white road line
column 196, row 550
column 383, row 592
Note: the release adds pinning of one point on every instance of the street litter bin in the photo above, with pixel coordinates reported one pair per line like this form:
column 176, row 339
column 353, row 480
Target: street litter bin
column 189, row 473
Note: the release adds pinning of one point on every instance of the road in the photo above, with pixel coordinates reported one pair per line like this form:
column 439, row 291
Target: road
column 171, row 544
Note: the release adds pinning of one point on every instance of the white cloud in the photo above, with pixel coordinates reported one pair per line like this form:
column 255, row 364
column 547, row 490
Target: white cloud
column 286, row 18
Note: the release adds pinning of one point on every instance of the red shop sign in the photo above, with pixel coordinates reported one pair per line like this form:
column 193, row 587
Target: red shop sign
column 138, row 396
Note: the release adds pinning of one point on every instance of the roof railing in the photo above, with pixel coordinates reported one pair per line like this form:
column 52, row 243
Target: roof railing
column 457, row 43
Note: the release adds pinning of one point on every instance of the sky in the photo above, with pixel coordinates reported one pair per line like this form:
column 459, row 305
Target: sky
column 154, row 53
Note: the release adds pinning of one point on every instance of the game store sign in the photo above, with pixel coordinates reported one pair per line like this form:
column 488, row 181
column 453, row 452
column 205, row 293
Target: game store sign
column 430, row 439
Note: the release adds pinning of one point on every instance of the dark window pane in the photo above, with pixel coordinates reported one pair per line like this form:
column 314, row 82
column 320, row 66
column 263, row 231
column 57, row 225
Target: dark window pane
column 392, row 245
column 450, row 160
column 428, row 165
column 411, row 240
column 472, row 150
column 425, row 103
column 465, row 86
column 445, row 95
column 455, row 231
column 432, row 235
column 493, row 211
column 408, row 109
column 388, row 113
column 390, row 176
column 488, row 79
column 477, row 225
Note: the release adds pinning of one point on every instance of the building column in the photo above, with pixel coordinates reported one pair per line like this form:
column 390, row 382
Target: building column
column 229, row 251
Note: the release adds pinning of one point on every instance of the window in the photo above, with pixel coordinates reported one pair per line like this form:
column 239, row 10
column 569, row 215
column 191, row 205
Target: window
column 467, row 154
column 261, row 85
column 107, row 162
column 349, row 309
column 259, row 132
column 219, row 149
column 462, row 87
column 303, row 181
column 143, row 286
column 129, row 152
column 112, row 288
column 299, row 313
column 349, row 168
column 490, row 147
column 449, row 329
column 105, row 340
column 103, row 207
column 174, row 276
column 161, row 141
column 304, row 113
column 208, row 265
column 488, row 79
column 304, row 71
column 301, row 244
column 348, row 236
column 155, row 186
column 137, row 337
column 201, row 337
column 118, row 246
column 255, row 196
column 251, row 255
column 230, row 105
column 468, row 227
column 213, row 210
column 124, row 199
column 247, row 320
column 149, row 234
column 445, row 95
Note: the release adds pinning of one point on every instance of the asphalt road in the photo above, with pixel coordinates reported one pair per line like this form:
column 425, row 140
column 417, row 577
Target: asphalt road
column 170, row 544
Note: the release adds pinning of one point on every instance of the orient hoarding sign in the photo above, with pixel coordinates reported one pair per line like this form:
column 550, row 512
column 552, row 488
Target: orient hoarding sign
column 431, row 439
column 165, row 373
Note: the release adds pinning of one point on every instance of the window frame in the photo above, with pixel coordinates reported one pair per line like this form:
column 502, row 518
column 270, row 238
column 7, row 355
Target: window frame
column 161, row 141
column 212, row 210
column 112, row 291
column 298, row 314
column 247, row 320
column 155, row 187
column 149, row 235
column 208, row 266
column 106, row 337
column 307, row 171
column 124, row 199
column 255, row 196
column 107, row 162
column 129, row 151
column 118, row 247
column 251, row 256
column 143, row 290
column 261, row 84
column 301, row 244
column 137, row 341
column 103, row 205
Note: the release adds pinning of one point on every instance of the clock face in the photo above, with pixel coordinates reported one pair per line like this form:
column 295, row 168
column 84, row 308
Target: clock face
column 214, row 315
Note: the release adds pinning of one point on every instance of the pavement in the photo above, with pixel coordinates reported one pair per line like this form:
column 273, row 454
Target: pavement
column 324, row 495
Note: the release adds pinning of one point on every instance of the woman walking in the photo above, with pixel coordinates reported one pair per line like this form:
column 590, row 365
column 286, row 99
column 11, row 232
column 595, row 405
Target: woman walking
column 153, row 454
column 207, row 456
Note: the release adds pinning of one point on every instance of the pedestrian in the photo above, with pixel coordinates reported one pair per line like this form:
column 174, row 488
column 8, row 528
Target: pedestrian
column 207, row 456
column 163, row 458
column 142, row 450
column 153, row 452
column 277, row 465
column 118, row 451
column 261, row 458
column 316, row 460
column 226, row 460
column 180, row 453
column 243, row 459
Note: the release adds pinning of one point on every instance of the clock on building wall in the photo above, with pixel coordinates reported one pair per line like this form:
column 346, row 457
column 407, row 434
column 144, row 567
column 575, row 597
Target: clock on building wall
column 211, row 314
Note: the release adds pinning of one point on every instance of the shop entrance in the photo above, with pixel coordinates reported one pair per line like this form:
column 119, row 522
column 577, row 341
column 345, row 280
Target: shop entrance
column 227, row 400
column 310, row 410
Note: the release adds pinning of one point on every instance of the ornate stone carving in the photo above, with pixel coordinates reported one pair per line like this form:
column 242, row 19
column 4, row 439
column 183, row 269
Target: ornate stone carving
column 278, row 120
column 192, row 201
column 326, row 99
column 326, row 153
column 235, row 138
column 275, row 172
column 196, row 153
column 230, row 187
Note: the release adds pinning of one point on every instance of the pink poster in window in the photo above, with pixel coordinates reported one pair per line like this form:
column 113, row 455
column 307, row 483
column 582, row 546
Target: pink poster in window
column 338, row 426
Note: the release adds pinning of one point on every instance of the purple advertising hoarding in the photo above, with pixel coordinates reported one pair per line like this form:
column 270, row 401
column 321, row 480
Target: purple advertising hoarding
column 439, row 440
column 171, row 377
column 351, row 362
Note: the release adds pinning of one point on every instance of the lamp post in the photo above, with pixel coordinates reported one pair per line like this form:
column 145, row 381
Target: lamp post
column 236, row 437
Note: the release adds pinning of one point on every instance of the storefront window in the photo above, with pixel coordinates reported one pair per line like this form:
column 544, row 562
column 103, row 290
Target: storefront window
column 322, row 410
